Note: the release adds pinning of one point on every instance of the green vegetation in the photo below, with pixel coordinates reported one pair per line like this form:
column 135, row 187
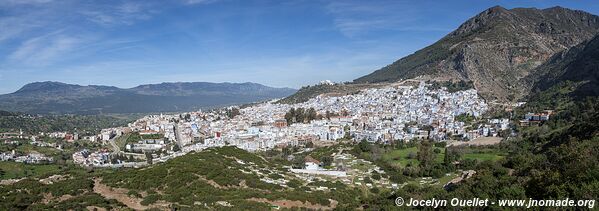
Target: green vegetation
column 403, row 161
column 407, row 157
column 14, row 170
column 452, row 86
column 131, row 138
column 75, row 192
column 232, row 112
column 32, row 124
column 308, row 92
column 121, row 141
column 557, row 159
column 482, row 156
column 322, row 152
column 465, row 118
column 200, row 177
column 23, row 147
column 301, row 115
column 557, row 97
column 152, row 136
column 412, row 66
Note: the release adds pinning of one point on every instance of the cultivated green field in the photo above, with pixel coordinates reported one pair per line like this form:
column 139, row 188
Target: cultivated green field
column 27, row 148
column 402, row 156
column 14, row 170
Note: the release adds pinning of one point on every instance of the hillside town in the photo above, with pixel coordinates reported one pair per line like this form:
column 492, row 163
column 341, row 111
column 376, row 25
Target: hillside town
column 396, row 112
column 387, row 114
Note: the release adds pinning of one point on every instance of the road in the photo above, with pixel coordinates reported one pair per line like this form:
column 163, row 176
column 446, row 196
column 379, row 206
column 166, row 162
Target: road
column 178, row 138
column 115, row 148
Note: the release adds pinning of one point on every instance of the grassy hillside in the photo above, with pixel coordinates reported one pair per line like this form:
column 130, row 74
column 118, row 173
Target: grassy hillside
column 308, row 92
column 208, row 178
column 218, row 178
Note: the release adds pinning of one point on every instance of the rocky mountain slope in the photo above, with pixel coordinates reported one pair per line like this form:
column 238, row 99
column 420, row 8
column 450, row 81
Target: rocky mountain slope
column 497, row 49
column 55, row 97
column 579, row 65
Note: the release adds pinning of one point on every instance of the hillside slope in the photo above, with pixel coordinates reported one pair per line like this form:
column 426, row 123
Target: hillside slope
column 580, row 64
column 225, row 178
column 495, row 49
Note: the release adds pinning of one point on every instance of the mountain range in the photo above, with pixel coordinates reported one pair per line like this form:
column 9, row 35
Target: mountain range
column 60, row 98
column 505, row 52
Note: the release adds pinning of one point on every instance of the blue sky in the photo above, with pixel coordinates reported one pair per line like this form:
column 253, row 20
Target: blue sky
column 276, row 43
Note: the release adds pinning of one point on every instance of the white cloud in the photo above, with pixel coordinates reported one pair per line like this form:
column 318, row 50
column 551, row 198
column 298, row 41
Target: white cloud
column 124, row 14
column 353, row 18
column 44, row 49
column 16, row 2
column 192, row 2
column 21, row 21
column 12, row 27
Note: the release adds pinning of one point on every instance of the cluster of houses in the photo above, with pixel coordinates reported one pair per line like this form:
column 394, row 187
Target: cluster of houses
column 146, row 145
column 376, row 114
column 87, row 158
column 12, row 135
column 31, row 158
column 535, row 118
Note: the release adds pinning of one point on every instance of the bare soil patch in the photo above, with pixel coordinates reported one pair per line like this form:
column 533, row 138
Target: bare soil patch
column 482, row 141
column 120, row 194
column 300, row 204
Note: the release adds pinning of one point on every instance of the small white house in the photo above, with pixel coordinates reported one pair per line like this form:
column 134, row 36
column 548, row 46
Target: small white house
column 311, row 163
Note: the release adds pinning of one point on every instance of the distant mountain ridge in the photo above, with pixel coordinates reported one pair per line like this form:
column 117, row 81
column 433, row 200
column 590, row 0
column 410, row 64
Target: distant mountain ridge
column 496, row 49
column 57, row 97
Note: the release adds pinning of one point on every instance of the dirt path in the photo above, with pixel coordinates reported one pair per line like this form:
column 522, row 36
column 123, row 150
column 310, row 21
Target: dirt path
column 120, row 194
column 300, row 204
column 482, row 141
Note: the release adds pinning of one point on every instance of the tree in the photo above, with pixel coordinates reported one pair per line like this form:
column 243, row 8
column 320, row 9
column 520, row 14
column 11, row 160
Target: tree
column 364, row 146
column 400, row 144
column 451, row 155
column 287, row 151
column 344, row 113
column 376, row 176
column 149, row 158
column 376, row 151
column 299, row 115
column 347, row 130
column 290, row 116
column 232, row 112
column 425, row 154
column 326, row 161
column 329, row 114
column 298, row 162
column 176, row 148
column 311, row 114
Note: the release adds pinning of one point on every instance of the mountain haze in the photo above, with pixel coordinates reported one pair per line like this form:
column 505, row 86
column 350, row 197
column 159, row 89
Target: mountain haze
column 496, row 49
column 56, row 97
